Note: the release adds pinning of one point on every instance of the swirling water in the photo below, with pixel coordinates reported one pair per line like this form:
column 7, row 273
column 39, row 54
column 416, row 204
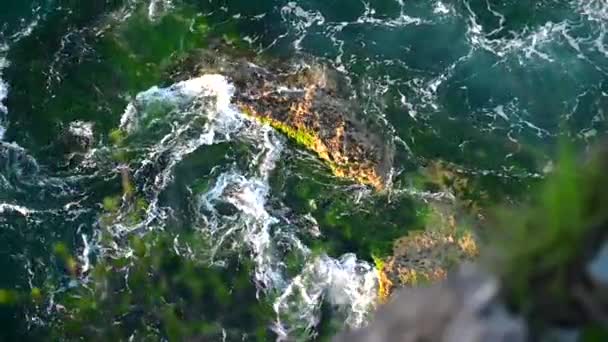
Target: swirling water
column 488, row 86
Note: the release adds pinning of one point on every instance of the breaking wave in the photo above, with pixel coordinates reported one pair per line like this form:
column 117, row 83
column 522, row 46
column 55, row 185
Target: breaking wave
column 196, row 113
column 6, row 40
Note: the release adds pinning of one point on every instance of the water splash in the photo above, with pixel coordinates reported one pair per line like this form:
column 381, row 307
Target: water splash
column 3, row 90
column 234, row 213
column 348, row 284
column 158, row 8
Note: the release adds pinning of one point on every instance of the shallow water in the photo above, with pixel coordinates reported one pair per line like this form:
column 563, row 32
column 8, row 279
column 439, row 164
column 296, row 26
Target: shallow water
column 490, row 87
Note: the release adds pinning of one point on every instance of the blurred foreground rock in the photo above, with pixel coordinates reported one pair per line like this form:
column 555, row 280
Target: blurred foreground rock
column 463, row 308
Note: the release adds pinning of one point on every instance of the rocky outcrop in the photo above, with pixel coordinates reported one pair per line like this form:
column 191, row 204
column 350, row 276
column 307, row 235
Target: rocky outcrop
column 307, row 103
column 304, row 105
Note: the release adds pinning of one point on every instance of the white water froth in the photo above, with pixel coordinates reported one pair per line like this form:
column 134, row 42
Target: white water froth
column 528, row 44
column 3, row 90
column 301, row 20
column 442, row 9
column 540, row 42
column 196, row 112
column 157, row 8
column 403, row 19
column 179, row 94
column 7, row 208
column 4, row 63
column 81, row 129
column 346, row 283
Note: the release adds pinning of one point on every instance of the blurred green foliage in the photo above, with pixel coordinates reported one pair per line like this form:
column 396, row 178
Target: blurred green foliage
column 543, row 248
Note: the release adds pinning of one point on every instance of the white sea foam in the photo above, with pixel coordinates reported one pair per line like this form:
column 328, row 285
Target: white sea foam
column 199, row 112
column 157, row 8
column 3, row 90
column 4, row 63
column 8, row 208
column 3, row 93
column 441, row 9
column 177, row 95
column 348, row 284
column 301, row 20
column 81, row 129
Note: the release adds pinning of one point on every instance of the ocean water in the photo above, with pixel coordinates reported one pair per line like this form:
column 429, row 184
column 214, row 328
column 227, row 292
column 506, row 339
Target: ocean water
column 489, row 87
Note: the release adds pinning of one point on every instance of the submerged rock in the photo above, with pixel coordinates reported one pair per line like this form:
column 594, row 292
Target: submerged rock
column 16, row 164
column 464, row 308
column 598, row 268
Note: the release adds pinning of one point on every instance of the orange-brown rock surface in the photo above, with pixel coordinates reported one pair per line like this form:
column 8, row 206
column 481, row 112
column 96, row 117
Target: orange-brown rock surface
column 309, row 104
column 304, row 104
column 426, row 256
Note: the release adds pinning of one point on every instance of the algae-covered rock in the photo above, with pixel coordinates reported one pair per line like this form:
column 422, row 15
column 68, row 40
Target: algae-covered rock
column 448, row 178
column 426, row 256
column 77, row 137
column 307, row 103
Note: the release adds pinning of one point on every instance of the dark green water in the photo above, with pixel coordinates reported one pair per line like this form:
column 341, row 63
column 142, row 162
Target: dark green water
column 204, row 223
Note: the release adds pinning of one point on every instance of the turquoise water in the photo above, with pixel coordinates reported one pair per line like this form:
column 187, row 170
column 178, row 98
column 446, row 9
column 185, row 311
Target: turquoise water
column 280, row 246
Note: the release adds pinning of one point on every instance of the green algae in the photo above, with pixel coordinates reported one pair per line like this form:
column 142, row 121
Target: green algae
column 111, row 204
column 137, row 212
column 117, row 61
column 8, row 297
column 301, row 136
column 366, row 226
column 141, row 51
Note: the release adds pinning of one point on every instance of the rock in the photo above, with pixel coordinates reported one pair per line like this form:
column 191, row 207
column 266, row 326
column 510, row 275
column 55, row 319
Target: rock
column 463, row 308
column 598, row 268
column 303, row 104
column 561, row 335
column 307, row 103
column 448, row 178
